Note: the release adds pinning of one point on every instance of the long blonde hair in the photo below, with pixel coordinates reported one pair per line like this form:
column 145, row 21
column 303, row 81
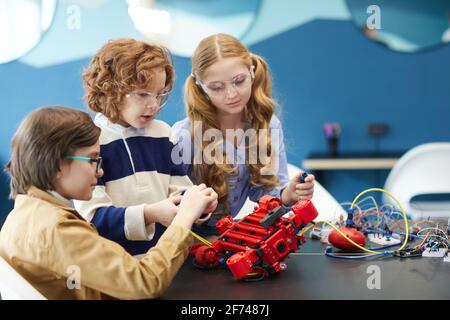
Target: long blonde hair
column 258, row 112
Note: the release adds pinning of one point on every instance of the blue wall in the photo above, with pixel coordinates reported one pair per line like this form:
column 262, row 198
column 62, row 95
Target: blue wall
column 328, row 71
column 323, row 71
column 421, row 23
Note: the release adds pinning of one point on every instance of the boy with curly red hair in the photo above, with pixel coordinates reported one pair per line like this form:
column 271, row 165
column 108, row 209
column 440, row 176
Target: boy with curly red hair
column 127, row 83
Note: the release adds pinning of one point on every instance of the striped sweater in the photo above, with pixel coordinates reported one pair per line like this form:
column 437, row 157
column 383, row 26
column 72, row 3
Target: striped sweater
column 137, row 170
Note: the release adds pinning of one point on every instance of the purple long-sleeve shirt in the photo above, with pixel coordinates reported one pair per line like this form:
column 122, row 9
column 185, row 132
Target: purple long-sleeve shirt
column 239, row 184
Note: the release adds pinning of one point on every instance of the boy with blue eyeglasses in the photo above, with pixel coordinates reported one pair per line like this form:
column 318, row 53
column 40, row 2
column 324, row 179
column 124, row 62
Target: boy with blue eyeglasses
column 46, row 240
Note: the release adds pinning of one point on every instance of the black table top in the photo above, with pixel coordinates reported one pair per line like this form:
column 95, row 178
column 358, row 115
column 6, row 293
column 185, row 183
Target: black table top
column 311, row 275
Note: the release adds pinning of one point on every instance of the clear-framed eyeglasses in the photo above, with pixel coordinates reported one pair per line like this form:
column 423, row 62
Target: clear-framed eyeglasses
column 219, row 89
column 147, row 99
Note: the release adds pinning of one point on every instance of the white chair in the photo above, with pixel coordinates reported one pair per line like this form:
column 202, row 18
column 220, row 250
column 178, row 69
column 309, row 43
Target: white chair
column 325, row 203
column 423, row 170
column 14, row 287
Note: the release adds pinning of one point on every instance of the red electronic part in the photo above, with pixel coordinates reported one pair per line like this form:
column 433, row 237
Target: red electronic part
column 307, row 212
column 194, row 249
column 260, row 242
column 207, row 256
column 337, row 240
column 239, row 265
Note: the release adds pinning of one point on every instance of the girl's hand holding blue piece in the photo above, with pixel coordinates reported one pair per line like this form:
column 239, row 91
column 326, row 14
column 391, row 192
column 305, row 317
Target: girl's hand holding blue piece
column 297, row 190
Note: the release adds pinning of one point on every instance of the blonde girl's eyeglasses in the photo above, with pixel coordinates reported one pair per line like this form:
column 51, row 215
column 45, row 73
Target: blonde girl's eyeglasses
column 219, row 89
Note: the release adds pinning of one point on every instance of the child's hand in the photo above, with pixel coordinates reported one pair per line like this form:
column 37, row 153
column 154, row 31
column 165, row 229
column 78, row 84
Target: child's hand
column 211, row 206
column 208, row 212
column 296, row 191
column 163, row 211
column 195, row 201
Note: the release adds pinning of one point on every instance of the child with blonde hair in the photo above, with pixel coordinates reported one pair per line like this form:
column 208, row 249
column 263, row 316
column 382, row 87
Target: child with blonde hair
column 229, row 91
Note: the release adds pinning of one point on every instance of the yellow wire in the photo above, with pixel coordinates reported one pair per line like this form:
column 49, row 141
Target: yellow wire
column 304, row 230
column 352, row 205
column 399, row 205
column 201, row 239
column 341, row 233
column 350, row 240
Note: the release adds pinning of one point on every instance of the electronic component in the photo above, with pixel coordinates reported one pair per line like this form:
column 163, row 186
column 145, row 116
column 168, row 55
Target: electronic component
column 382, row 240
column 434, row 252
column 324, row 234
column 316, row 234
column 447, row 258
column 409, row 252
column 337, row 240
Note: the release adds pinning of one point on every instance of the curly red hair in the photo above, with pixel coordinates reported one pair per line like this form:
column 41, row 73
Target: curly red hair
column 120, row 67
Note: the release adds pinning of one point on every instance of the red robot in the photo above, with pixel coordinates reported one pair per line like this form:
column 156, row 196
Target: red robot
column 259, row 243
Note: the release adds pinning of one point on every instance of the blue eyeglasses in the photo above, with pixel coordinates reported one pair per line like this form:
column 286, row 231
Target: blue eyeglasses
column 97, row 161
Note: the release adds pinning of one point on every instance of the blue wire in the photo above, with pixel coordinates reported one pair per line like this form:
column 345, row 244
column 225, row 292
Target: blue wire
column 385, row 247
column 330, row 254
